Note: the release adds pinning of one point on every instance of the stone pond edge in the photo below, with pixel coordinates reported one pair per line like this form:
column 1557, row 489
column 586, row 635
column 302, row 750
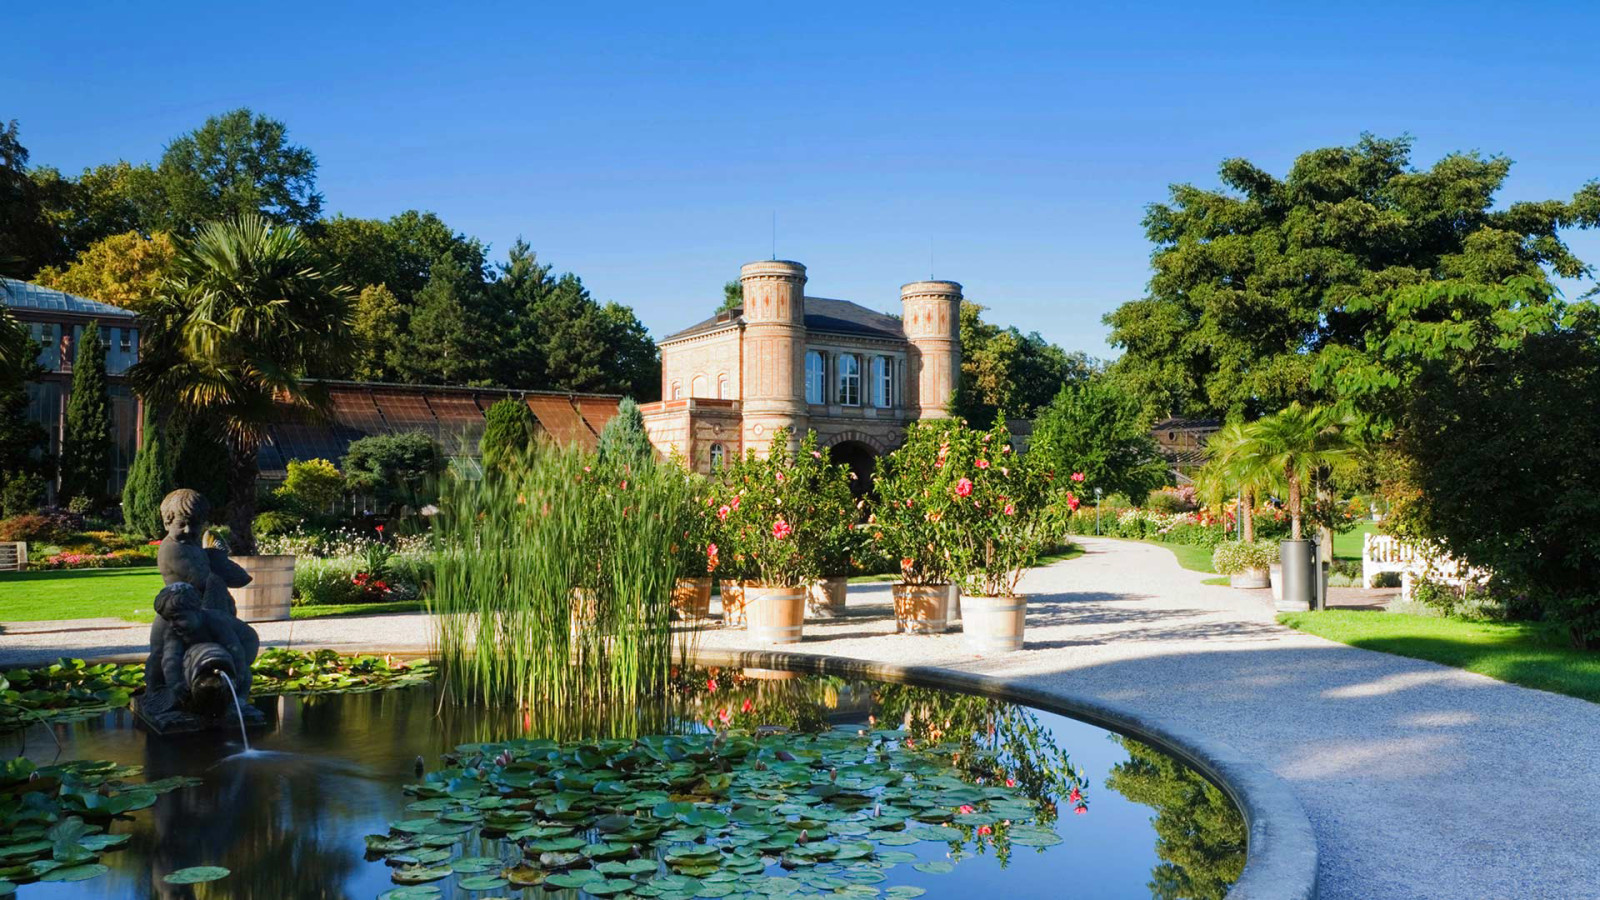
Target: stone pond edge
column 1281, row 860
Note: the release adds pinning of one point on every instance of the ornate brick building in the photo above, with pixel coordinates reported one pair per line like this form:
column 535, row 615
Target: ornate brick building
column 855, row 376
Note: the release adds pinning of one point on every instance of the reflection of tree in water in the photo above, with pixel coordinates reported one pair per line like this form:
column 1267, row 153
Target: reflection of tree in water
column 1200, row 835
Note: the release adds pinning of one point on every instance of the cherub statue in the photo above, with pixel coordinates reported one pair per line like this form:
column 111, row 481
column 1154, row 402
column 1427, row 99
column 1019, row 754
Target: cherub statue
column 182, row 558
column 195, row 644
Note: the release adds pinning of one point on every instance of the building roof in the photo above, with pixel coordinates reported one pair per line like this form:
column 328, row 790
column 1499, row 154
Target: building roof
column 452, row 416
column 23, row 295
column 822, row 315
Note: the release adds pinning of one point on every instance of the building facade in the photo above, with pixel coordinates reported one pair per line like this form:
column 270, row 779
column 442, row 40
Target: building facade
column 56, row 320
column 855, row 376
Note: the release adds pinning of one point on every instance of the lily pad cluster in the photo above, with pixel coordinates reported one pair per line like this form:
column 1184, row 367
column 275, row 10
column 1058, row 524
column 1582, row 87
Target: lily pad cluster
column 72, row 689
column 675, row 817
column 54, row 819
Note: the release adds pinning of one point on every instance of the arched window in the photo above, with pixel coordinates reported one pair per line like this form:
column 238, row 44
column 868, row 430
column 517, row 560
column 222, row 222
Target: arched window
column 882, row 382
column 722, row 387
column 717, row 454
column 697, row 386
column 849, row 379
column 816, row 378
column 677, row 390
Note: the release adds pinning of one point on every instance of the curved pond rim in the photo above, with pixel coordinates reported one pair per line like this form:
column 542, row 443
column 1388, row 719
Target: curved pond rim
column 1281, row 856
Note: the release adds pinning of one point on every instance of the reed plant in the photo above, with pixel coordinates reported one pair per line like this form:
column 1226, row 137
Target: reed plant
column 553, row 582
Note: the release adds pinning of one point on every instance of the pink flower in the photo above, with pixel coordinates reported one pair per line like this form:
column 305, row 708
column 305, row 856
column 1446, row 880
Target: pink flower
column 984, row 829
column 817, row 454
column 735, row 503
column 1080, row 810
column 1011, row 509
column 1011, row 782
column 711, row 685
column 1077, row 476
column 722, row 513
column 1072, row 502
column 780, row 478
column 983, row 464
column 725, row 715
column 781, row 529
column 1075, row 796
column 747, row 705
column 908, row 503
column 965, row 808
column 964, row 487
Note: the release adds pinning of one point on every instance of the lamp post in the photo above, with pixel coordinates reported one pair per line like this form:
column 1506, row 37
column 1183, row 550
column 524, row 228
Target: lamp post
column 1097, row 493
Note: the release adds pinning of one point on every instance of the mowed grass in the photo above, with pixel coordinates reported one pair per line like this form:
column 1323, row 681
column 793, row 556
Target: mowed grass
column 1517, row 653
column 1348, row 545
column 127, row 594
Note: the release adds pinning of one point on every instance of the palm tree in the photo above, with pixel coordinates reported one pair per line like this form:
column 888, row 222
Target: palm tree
column 1231, row 468
column 1296, row 446
column 245, row 317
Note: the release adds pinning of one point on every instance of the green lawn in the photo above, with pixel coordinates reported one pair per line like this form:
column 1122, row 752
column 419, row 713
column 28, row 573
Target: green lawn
column 1518, row 653
column 1191, row 556
column 79, row 594
column 1348, row 545
column 122, row 594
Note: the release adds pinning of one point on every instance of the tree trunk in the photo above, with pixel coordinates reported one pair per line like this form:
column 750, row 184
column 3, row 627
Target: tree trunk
column 1294, row 508
column 242, row 473
column 1247, row 527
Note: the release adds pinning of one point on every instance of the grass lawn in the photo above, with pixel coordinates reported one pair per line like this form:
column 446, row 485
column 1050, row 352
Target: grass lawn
column 1191, row 556
column 122, row 594
column 1518, row 653
column 1348, row 545
column 79, row 594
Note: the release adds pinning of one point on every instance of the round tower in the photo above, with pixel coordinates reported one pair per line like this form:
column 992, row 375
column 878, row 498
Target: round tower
column 932, row 320
column 774, row 392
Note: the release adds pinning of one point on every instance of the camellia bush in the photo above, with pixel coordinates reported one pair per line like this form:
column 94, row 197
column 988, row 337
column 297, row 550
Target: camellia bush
column 918, row 487
column 998, row 500
column 777, row 516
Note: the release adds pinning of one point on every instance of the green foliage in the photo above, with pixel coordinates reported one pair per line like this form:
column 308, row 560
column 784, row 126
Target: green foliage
column 998, row 505
column 86, row 445
column 21, row 492
column 624, row 440
column 1237, row 557
column 123, row 270
column 1096, row 428
column 313, row 486
column 27, row 241
column 552, row 585
column 1295, row 448
column 275, row 523
column 246, row 318
column 916, row 490
column 397, row 469
column 1260, row 286
column 732, row 296
column 779, row 514
column 1003, row 369
column 147, row 475
column 509, row 430
column 23, row 462
column 378, row 323
column 1200, row 836
column 238, row 164
column 1504, row 466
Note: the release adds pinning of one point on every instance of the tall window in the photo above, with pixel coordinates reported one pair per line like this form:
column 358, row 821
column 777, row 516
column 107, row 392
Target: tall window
column 722, row 387
column 697, row 386
column 882, row 382
column 816, row 378
column 716, row 457
column 677, row 390
column 849, row 379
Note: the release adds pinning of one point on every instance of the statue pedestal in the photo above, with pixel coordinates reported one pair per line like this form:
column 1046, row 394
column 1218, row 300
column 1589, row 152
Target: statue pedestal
column 159, row 712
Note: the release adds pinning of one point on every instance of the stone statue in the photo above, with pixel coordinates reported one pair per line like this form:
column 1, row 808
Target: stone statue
column 197, row 637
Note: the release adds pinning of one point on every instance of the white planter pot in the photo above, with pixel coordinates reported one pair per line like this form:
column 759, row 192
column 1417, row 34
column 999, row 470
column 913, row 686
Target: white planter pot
column 1253, row 579
column 994, row 624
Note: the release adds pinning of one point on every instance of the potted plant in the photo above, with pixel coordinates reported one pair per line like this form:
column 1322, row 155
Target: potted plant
column 779, row 510
column 1247, row 564
column 917, row 486
column 841, row 542
column 999, row 501
column 697, row 553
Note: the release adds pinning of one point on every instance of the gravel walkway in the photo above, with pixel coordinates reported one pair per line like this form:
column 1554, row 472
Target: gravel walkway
column 1421, row 781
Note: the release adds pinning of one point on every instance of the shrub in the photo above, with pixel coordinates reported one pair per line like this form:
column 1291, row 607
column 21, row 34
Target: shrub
column 274, row 524
column 777, row 514
column 327, row 582
column 1238, row 557
column 1386, row 580
column 23, row 493
column 916, row 489
column 398, row 469
column 55, row 527
column 313, row 485
column 997, row 503
column 1172, row 500
column 508, row 434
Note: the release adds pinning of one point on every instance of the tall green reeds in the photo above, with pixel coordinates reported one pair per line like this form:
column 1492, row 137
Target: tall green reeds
column 554, row 579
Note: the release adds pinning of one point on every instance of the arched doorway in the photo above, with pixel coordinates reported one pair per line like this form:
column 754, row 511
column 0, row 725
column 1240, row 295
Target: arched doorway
column 861, row 459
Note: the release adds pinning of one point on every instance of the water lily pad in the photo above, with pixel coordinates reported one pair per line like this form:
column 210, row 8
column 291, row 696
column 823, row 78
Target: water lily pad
column 904, row 892
column 934, row 867
column 482, row 883
column 416, row 892
column 472, row 865
column 626, row 867
column 196, row 875
column 607, row 887
column 75, row 873
column 575, row 879
column 524, row 876
column 419, row 874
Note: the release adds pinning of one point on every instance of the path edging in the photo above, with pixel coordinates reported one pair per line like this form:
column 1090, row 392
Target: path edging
column 1281, row 862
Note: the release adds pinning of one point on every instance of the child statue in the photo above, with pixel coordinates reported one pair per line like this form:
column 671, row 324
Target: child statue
column 182, row 558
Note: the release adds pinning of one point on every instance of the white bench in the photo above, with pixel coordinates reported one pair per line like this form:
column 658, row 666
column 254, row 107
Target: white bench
column 13, row 556
column 1383, row 553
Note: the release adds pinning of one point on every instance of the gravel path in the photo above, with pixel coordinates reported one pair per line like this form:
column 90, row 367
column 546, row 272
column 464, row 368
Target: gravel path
column 1421, row 781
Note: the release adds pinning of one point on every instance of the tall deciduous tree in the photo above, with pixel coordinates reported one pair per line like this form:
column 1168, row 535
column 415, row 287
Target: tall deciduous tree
column 1095, row 428
column 244, row 319
column 86, row 442
column 379, row 324
column 235, row 164
column 1003, row 369
column 102, row 201
column 27, row 239
column 1255, row 286
column 123, row 270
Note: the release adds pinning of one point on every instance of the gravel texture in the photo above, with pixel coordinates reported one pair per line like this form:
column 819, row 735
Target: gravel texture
column 1421, row 781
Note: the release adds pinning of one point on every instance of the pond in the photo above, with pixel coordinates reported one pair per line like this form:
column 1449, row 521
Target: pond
column 746, row 785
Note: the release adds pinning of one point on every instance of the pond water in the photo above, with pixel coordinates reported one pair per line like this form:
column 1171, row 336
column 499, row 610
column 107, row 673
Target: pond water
column 825, row 787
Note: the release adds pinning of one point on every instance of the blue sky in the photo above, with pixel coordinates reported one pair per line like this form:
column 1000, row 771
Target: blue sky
column 646, row 147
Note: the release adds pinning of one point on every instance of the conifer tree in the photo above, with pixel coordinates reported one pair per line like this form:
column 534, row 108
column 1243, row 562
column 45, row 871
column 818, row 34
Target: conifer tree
column 86, row 445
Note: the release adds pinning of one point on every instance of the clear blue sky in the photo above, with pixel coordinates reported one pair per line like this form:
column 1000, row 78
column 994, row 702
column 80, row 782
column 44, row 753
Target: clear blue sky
column 646, row 146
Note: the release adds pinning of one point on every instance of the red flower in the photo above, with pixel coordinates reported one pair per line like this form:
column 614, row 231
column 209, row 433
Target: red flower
column 723, row 512
column 908, row 503
column 982, row 464
column 1072, row 502
column 1080, row 810
column 780, row 478
column 724, row 715
column 711, row 685
column 380, row 529
column 747, row 705
column 966, row 808
column 781, row 529
column 1077, row 476
column 735, row 503
column 984, row 829
column 1011, row 782
column 1075, row 796
column 711, row 557
column 964, row 487
column 1011, row 509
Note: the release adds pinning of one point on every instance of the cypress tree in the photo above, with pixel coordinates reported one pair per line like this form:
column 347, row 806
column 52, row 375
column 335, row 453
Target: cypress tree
column 148, row 480
column 86, row 445
column 624, row 440
column 508, row 433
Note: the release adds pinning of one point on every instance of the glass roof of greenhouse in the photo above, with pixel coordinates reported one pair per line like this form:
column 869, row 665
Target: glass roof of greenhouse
column 23, row 295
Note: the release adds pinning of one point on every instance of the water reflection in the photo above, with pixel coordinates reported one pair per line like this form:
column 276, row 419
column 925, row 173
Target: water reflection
column 292, row 823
